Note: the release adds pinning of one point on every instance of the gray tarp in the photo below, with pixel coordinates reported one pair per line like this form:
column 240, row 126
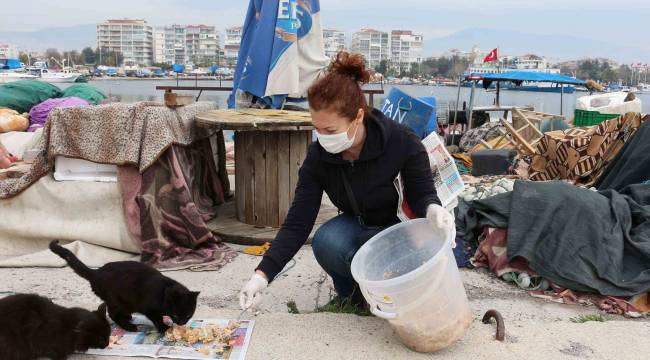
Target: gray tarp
column 632, row 163
column 577, row 238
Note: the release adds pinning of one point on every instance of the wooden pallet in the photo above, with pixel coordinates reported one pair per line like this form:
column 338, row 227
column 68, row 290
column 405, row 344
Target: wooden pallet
column 521, row 117
column 522, row 134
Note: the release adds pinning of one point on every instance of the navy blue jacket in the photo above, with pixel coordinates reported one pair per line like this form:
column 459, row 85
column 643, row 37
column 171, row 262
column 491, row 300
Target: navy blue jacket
column 389, row 148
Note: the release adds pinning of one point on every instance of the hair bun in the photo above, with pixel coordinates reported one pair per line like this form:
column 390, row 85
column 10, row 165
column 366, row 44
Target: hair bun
column 351, row 65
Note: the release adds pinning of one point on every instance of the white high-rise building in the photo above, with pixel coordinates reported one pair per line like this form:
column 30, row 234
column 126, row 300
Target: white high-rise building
column 183, row 44
column 334, row 41
column 372, row 44
column 132, row 38
column 232, row 43
column 173, row 47
column 405, row 49
column 201, row 44
column 159, row 45
column 8, row 51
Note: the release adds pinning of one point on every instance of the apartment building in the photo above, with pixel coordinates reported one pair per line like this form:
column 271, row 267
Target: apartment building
column 373, row 44
column 132, row 38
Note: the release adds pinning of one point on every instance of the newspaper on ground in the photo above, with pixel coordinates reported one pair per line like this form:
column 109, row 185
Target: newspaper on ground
column 446, row 177
column 150, row 343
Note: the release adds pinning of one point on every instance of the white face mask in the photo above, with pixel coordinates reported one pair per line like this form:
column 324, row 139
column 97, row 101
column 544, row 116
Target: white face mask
column 336, row 143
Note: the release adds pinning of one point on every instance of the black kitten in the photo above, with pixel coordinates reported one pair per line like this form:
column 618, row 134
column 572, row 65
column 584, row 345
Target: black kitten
column 32, row 327
column 128, row 287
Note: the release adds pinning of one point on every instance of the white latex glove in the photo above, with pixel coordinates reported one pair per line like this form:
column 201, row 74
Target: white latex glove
column 441, row 219
column 250, row 295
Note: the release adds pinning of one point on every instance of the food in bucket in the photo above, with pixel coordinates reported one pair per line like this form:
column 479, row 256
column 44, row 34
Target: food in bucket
column 430, row 337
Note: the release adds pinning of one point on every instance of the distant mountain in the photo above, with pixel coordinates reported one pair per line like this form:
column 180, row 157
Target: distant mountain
column 62, row 38
column 556, row 47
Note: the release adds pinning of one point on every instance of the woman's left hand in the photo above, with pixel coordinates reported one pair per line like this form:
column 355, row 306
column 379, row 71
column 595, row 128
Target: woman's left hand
column 440, row 218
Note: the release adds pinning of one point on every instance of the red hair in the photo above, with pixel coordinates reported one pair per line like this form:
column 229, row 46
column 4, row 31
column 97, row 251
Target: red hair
column 340, row 89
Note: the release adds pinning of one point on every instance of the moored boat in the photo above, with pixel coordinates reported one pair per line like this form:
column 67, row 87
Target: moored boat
column 10, row 76
column 52, row 76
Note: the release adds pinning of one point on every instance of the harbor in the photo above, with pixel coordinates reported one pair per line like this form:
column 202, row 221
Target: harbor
column 129, row 90
column 306, row 179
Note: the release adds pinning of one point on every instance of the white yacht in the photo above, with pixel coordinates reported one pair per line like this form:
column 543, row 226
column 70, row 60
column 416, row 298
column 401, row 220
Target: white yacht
column 10, row 76
column 643, row 88
column 53, row 77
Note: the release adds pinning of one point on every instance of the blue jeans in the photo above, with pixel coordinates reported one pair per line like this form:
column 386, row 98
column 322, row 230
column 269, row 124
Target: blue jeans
column 334, row 246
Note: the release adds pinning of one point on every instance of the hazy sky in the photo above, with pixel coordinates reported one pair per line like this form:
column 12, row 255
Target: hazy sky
column 627, row 22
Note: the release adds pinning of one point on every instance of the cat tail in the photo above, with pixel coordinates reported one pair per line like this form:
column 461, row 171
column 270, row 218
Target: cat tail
column 80, row 268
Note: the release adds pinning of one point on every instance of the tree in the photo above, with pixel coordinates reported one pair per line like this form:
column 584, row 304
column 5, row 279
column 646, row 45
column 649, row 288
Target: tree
column 163, row 66
column 24, row 58
column 52, row 53
column 600, row 71
column 428, row 68
column 72, row 58
column 414, row 70
column 382, row 68
column 625, row 74
column 88, row 55
column 110, row 58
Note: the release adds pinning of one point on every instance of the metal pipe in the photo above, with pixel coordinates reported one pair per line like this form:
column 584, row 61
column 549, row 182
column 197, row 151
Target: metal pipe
column 460, row 79
column 498, row 91
column 562, row 99
column 471, row 105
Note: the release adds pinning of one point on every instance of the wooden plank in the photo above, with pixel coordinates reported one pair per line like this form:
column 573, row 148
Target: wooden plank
column 253, row 119
column 272, row 193
column 284, row 180
column 518, row 138
column 240, row 177
column 259, row 180
column 296, row 157
column 190, row 88
column 220, row 148
column 174, row 100
column 484, row 143
column 530, row 136
column 229, row 229
column 249, row 178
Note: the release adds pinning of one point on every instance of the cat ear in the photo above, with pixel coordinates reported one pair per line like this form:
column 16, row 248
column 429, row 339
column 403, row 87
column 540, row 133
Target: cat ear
column 101, row 310
column 195, row 294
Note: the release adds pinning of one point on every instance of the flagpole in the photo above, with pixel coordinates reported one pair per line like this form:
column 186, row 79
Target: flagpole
column 498, row 72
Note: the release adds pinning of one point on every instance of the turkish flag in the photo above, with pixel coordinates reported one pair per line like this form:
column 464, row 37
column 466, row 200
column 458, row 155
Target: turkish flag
column 492, row 56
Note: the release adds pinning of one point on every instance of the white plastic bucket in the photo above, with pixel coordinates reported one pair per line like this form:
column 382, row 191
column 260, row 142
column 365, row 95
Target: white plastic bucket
column 408, row 275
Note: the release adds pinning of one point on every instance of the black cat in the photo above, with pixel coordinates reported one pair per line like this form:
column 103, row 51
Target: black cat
column 128, row 287
column 33, row 327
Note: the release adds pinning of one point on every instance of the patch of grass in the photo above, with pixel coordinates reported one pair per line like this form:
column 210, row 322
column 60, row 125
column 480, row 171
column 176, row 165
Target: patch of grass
column 292, row 308
column 344, row 306
column 591, row 317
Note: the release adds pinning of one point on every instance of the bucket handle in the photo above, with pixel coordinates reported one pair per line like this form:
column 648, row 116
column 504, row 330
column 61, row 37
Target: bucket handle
column 382, row 314
column 374, row 307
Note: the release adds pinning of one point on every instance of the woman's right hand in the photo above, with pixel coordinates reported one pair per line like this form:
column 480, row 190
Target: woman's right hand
column 250, row 295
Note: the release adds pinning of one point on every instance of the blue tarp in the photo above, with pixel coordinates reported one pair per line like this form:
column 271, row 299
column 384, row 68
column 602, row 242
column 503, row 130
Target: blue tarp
column 178, row 68
column 518, row 77
column 10, row 64
column 269, row 65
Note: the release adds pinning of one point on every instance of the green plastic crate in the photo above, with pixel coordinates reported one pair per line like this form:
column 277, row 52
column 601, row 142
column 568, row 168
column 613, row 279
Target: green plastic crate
column 589, row 118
